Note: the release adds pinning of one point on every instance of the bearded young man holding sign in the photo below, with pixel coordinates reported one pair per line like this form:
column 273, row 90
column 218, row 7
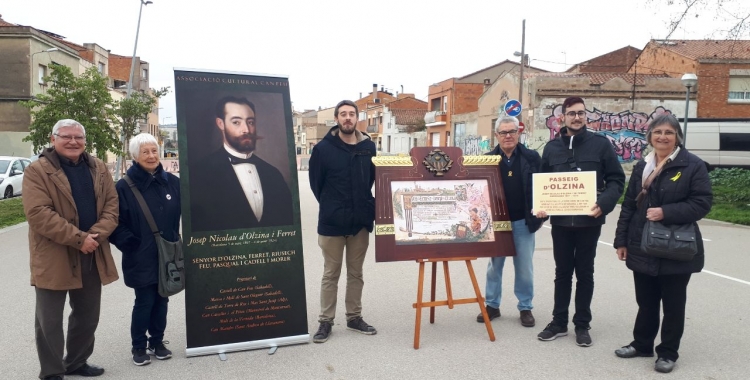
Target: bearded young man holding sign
column 574, row 237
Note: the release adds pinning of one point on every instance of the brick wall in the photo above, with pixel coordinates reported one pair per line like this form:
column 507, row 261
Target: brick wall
column 119, row 67
column 713, row 88
column 408, row 103
column 619, row 60
column 657, row 60
column 466, row 97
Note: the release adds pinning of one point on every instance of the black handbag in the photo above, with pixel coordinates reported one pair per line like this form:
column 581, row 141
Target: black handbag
column 674, row 242
column 171, row 259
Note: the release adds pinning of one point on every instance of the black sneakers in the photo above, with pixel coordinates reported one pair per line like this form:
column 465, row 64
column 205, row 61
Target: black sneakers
column 359, row 325
column 492, row 313
column 140, row 357
column 324, row 331
column 583, row 338
column 552, row 332
column 160, row 351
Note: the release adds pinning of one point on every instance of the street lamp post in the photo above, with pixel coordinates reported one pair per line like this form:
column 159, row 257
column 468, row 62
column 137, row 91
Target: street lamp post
column 31, row 84
column 524, row 60
column 130, row 84
column 688, row 80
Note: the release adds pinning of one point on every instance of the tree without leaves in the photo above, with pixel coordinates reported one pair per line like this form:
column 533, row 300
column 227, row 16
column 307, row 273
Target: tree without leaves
column 85, row 99
column 733, row 15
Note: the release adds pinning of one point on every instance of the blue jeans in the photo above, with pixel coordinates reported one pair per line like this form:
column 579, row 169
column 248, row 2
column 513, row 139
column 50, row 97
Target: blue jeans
column 523, row 263
column 149, row 315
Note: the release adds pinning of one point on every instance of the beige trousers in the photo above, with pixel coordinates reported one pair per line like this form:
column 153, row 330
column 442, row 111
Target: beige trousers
column 333, row 253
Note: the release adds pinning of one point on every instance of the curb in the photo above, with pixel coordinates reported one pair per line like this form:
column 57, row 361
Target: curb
column 14, row 227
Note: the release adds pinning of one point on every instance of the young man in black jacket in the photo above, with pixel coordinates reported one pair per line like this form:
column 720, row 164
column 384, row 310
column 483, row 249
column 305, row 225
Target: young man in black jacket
column 516, row 169
column 341, row 178
column 575, row 237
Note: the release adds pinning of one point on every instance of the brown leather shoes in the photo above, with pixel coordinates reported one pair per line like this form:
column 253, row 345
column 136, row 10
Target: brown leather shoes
column 527, row 319
column 491, row 312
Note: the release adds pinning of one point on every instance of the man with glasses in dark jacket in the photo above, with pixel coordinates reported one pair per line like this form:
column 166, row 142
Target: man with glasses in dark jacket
column 341, row 178
column 516, row 169
column 575, row 237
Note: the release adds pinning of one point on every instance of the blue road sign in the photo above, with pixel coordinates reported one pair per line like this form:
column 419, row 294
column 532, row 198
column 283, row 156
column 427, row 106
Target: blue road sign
column 513, row 107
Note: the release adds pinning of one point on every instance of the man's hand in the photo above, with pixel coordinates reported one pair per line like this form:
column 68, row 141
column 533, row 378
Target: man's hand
column 541, row 214
column 596, row 211
column 90, row 244
column 655, row 214
column 622, row 253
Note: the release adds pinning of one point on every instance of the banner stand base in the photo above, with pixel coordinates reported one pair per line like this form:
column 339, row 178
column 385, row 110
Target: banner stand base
column 223, row 349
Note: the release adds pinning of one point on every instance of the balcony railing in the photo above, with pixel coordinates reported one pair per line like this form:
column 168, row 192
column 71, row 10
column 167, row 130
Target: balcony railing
column 372, row 129
column 434, row 116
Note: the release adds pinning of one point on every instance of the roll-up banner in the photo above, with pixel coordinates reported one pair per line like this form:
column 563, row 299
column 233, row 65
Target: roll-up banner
column 245, row 280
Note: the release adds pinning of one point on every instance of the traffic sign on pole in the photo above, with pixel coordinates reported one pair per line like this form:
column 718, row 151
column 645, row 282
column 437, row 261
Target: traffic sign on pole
column 513, row 107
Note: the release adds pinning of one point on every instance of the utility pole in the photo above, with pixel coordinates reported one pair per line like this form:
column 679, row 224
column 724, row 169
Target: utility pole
column 523, row 59
column 130, row 85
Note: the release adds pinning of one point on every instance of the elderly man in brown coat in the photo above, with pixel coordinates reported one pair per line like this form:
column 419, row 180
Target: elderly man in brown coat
column 72, row 207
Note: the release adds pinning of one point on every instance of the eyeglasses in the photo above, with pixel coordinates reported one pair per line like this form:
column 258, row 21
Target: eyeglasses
column 663, row 133
column 67, row 138
column 507, row 133
column 580, row 114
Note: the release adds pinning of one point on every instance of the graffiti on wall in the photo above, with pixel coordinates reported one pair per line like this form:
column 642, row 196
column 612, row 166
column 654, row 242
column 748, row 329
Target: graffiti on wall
column 625, row 130
column 473, row 145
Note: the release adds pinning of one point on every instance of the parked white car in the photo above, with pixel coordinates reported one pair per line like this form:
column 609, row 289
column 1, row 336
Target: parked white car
column 11, row 175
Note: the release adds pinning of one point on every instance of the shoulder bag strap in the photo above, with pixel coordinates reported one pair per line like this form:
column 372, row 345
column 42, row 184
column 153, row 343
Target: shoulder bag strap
column 142, row 203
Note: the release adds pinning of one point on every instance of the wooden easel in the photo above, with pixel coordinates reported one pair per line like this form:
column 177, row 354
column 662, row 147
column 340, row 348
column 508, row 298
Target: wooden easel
column 449, row 293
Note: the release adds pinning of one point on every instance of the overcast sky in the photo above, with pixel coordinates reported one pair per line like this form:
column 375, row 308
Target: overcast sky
column 333, row 49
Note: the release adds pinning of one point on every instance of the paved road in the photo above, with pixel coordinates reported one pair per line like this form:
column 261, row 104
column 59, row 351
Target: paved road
column 715, row 345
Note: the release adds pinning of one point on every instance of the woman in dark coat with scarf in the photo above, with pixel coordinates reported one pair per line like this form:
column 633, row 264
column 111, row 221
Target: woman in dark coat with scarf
column 133, row 237
column 672, row 186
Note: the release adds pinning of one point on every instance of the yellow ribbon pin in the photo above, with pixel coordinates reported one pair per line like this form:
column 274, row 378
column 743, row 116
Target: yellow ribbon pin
column 676, row 177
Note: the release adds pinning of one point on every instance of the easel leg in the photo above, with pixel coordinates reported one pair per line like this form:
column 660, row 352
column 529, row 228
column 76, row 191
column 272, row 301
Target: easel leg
column 480, row 300
column 448, row 289
column 420, row 289
column 432, row 292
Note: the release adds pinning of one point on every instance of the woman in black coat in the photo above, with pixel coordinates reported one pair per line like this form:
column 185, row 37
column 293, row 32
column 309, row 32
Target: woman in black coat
column 672, row 186
column 133, row 237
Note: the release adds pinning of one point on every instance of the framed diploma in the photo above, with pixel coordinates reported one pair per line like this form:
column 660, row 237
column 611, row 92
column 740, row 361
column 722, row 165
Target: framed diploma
column 565, row 193
column 437, row 203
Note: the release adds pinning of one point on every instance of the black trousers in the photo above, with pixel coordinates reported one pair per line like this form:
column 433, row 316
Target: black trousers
column 85, row 304
column 650, row 291
column 149, row 315
column 574, row 249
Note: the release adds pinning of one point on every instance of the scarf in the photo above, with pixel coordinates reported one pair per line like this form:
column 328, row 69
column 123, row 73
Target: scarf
column 651, row 171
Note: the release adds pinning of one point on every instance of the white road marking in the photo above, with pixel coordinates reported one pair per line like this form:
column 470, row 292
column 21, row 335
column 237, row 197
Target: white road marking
column 704, row 271
column 727, row 277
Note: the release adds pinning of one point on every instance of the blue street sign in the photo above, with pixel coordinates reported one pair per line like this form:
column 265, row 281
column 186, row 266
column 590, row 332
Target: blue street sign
column 513, row 107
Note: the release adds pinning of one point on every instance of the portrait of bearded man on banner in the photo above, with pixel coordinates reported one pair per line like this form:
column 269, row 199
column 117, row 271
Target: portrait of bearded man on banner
column 233, row 188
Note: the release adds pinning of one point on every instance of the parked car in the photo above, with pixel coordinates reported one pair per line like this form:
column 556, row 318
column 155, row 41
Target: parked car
column 11, row 175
